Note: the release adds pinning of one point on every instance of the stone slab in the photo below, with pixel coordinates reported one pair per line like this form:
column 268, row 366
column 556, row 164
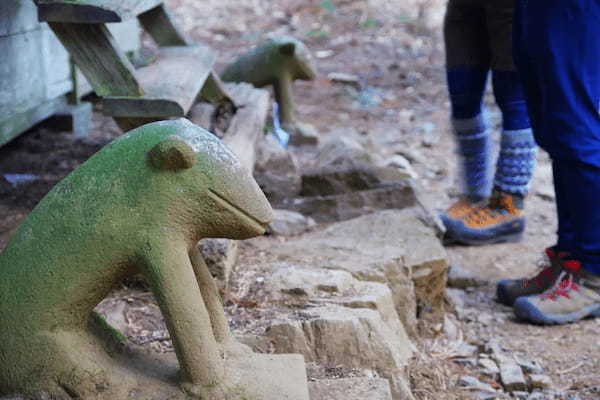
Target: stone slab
column 350, row 389
column 351, row 338
column 17, row 16
column 21, row 73
column 394, row 247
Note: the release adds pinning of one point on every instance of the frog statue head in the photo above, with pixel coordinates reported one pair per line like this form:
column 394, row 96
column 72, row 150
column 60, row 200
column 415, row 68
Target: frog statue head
column 201, row 184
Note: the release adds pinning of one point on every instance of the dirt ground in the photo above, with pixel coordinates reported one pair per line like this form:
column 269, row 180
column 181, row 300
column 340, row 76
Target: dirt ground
column 398, row 106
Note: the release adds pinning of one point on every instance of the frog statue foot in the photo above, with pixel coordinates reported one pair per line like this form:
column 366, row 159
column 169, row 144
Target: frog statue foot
column 139, row 205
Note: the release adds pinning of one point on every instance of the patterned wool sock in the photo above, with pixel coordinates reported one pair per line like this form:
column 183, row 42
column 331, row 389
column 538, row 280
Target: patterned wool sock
column 516, row 162
column 518, row 150
column 474, row 148
column 466, row 85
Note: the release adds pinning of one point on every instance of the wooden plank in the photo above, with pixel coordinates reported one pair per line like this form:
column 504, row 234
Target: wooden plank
column 96, row 53
column 171, row 84
column 160, row 25
column 214, row 90
column 93, row 11
column 248, row 123
column 17, row 16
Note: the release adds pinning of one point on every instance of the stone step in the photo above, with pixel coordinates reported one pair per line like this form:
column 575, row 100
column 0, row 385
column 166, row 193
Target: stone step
column 171, row 84
column 93, row 11
column 350, row 389
column 393, row 247
column 349, row 338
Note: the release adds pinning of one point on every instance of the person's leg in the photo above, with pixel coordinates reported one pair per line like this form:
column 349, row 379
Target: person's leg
column 516, row 161
column 517, row 147
column 565, row 232
column 501, row 220
column 562, row 42
column 508, row 290
column 467, row 68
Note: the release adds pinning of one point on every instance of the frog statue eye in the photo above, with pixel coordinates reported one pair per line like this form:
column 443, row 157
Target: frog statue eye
column 172, row 154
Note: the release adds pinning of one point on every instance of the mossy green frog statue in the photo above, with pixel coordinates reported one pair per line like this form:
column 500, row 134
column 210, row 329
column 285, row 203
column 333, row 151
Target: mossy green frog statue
column 139, row 205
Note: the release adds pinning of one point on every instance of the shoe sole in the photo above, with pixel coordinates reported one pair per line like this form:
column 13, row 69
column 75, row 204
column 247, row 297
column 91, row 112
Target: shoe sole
column 527, row 311
column 510, row 238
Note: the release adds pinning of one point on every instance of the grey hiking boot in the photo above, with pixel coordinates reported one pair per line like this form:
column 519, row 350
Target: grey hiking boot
column 508, row 290
column 575, row 295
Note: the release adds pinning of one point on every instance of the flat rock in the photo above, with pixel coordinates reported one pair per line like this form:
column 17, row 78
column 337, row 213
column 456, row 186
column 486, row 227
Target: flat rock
column 343, row 151
column 347, row 181
column 220, row 256
column 512, row 376
column 539, row 381
column 350, row 389
column 474, row 383
column 460, row 278
column 254, row 376
column 400, row 162
column 372, row 295
column 489, row 366
column 343, row 206
column 276, row 170
column 351, row 338
column 393, row 247
column 334, row 179
column 290, row 223
column 305, row 281
column 302, row 134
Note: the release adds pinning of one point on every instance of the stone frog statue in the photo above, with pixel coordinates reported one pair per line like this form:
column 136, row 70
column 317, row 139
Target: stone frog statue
column 278, row 62
column 139, row 205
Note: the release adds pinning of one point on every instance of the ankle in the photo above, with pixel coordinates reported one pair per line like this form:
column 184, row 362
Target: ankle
column 511, row 202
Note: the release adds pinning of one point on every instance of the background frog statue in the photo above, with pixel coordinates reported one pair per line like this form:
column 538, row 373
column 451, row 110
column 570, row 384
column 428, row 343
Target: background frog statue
column 139, row 205
column 278, row 62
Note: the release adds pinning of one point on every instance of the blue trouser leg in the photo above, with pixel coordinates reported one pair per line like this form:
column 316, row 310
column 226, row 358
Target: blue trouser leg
column 557, row 52
column 581, row 190
column 566, row 235
column 466, row 86
column 516, row 161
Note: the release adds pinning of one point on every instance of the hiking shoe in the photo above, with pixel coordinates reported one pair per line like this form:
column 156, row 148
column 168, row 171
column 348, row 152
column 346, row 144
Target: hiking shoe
column 508, row 290
column 457, row 211
column 574, row 296
column 462, row 208
column 500, row 221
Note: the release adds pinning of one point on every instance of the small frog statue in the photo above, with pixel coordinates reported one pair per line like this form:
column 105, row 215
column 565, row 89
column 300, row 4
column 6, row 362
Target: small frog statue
column 278, row 62
column 139, row 205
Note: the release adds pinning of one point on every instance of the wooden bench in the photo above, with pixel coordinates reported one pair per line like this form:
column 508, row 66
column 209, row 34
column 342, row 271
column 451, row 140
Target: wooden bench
column 168, row 87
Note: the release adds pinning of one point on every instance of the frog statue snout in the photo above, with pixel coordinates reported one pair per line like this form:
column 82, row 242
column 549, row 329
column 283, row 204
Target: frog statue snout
column 244, row 204
column 230, row 202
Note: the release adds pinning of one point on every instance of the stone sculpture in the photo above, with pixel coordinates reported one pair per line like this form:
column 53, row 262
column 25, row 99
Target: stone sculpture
column 278, row 62
column 139, row 205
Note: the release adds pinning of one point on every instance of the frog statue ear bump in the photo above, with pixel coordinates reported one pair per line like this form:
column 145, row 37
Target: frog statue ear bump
column 172, row 154
column 288, row 49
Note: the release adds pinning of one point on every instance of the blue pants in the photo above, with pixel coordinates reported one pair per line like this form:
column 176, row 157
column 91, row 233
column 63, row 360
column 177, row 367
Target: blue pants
column 557, row 53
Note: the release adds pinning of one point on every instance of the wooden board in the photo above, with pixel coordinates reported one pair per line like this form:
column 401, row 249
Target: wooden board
column 160, row 25
column 248, row 124
column 171, row 84
column 96, row 53
column 93, row 11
